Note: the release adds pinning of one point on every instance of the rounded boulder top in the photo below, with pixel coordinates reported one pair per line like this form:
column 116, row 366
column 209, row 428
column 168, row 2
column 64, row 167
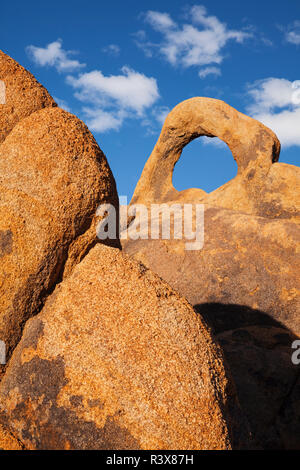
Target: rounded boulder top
column 21, row 94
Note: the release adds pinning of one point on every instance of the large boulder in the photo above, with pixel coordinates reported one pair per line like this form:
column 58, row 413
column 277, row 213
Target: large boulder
column 245, row 260
column 53, row 176
column 118, row 360
column 249, row 263
column 22, row 94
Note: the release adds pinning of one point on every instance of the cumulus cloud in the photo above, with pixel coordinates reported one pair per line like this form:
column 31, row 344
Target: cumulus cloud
column 276, row 103
column 203, row 73
column 110, row 99
column 103, row 121
column 131, row 89
column 160, row 21
column 197, row 43
column 292, row 34
column 112, row 49
column 54, row 55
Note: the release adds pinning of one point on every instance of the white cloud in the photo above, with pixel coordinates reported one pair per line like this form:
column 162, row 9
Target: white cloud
column 285, row 124
column 160, row 21
column 203, row 73
column 107, row 100
column 197, row 43
column 270, row 93
column 110, row 99
column 276, row 103
column 55, row 56
column 292, row 34
column 103, row 121
column 131, row 90
column 112, row 49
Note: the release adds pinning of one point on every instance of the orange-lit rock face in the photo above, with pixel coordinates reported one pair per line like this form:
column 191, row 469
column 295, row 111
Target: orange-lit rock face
column 53, row 176
column 247, row 274
column 118, row 360
column 245, row 260
column 251, row 248
column 262, row 186
column 23, row 95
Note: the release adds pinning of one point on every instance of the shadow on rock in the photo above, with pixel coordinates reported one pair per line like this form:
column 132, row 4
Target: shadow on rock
column 258, row 351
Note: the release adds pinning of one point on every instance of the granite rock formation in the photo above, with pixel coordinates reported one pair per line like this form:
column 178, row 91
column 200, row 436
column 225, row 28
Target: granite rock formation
column 118, row 360
column 23, row 95
column 103, row 353
column 250, row 258
column 53, row 176
column 262, row 186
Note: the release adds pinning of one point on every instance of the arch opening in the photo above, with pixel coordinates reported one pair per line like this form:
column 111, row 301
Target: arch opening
column 205, row 163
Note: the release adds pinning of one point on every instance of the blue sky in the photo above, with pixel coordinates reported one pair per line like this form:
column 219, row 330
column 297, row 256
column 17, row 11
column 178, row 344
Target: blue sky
column 120, row 66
